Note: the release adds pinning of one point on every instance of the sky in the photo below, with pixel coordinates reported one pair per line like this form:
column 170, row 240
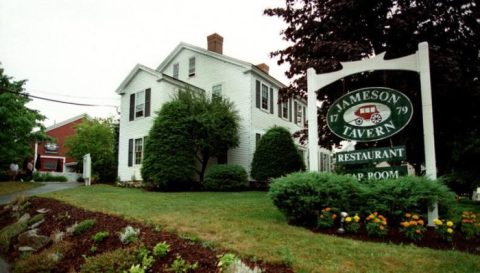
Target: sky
column 81, row 50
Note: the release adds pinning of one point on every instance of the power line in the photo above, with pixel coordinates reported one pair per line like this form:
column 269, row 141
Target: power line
column 58, row 101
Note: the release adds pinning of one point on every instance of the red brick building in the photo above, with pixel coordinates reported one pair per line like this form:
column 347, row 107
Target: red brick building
column 53, row 155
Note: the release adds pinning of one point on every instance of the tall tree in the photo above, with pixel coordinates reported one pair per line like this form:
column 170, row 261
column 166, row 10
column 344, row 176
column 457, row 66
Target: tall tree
column 97, row 138
column 325, row 32
column 197, row 128
column 19, row 125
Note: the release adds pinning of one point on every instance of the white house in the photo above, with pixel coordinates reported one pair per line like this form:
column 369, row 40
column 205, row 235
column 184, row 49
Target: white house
column 253, row 91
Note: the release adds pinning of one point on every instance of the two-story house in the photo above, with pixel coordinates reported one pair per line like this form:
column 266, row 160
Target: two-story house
column 251, row 88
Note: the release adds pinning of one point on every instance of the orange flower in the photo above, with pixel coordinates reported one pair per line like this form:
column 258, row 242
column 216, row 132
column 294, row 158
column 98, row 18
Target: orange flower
column 418, row 231
column 405, row 224
column 408, row 215
column 413, row 223
column 420, row 222
column 327, row 209
column 334, row 216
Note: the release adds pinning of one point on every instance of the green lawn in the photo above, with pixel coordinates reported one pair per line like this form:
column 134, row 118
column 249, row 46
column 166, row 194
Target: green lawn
column 248, row 223
column 11, row 187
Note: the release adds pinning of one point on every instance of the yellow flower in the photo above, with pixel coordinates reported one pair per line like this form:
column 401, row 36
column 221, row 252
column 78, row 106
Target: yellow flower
column 415, row 217
column 356, row 218
column 450, row 224
column 437, row 222
column 449, row 230
column 376, row 220
column 405, row 224
column 348, row 219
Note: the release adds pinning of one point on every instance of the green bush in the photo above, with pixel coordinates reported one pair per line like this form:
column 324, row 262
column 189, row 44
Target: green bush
column 161, row 249
column 276, row 155
column 110, row 262
column 47, row 177
column 168, row 162
column 225, row 178
column 301, row 196
column 394, row 197
column 100, row 236
column 83, row 226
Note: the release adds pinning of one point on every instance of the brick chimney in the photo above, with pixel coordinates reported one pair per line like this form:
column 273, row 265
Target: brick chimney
column 264, row 67
column 215, row 43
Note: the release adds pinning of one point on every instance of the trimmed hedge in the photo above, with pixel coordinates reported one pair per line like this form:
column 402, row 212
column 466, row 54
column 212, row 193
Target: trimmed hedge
column 225, row 178
column 300, row 196
column 276, row 155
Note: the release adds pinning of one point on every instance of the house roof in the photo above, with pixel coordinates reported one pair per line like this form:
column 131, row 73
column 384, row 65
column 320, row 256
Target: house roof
column 249, row 67
column 70, row 120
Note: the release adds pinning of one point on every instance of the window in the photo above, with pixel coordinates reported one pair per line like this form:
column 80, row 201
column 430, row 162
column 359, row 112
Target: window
column 191, row 67
column 265, row 97
column 50, row 164
column 138, row 150
column 285, row 110
column 217, row 90
column 176, row 69
column 139, row 104
column 299, row 111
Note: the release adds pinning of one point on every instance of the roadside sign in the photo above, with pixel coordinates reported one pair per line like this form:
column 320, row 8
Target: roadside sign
column 369, row 114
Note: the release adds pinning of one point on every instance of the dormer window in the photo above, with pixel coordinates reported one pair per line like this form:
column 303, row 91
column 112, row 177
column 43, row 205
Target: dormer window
column 191, row 67
column 51, row 148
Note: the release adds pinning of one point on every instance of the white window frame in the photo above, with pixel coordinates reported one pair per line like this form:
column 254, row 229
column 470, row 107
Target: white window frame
column 176, row 70
column 138, row 151
column 191, row 66
column 283, row 106
column 264, row 87
column 299, row 114
column 140, row 104
column 217, row 90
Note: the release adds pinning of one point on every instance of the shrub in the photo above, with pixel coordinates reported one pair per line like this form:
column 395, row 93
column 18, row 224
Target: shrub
column 394, row 197
column 179, row 265
column 129, row 235
column 110, row 262
column 276, row 155
column 469, row 225
column 83, row 226
column 168, row 162
column 100, row 236
column 47, row 177
column 161, row 249
column 300, row 196
column 225, row 178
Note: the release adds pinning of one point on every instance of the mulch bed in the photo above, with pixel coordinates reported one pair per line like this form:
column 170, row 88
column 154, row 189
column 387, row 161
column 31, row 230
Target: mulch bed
column 430, row 240
column 62, row 216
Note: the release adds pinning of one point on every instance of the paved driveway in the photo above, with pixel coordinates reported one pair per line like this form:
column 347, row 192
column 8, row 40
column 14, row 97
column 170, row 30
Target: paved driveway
column 47, row 187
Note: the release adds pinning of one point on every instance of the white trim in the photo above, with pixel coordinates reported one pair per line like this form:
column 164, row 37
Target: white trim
column 52, row 157
column 67, row 121
column 132, row 74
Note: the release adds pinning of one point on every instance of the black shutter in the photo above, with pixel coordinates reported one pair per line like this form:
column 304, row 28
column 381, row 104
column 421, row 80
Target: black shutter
column 257, row 139
column 304, row 117
column 271, row 100
column 295, row 112
column 147, row 102
column 130, row 152
column 289, row 110
column 257, row 94
column 280, row 110
column 132, row 107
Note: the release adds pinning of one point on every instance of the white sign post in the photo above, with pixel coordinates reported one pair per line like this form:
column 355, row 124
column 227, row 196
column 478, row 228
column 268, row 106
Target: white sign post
column 87, row 169
column 418, row 62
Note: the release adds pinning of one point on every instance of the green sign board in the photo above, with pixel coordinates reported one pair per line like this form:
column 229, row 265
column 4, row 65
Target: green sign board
column 397, row 153
column 380, row 173
column 369, row 114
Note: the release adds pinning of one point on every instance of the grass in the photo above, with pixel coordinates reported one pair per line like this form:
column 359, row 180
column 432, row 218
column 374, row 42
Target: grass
column 11, row 187
column 248, row 223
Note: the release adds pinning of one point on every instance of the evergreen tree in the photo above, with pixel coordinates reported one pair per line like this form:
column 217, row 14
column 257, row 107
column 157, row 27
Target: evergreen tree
column 276, row 155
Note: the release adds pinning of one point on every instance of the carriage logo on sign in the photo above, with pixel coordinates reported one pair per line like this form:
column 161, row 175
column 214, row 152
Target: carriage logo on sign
column 369, row 114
